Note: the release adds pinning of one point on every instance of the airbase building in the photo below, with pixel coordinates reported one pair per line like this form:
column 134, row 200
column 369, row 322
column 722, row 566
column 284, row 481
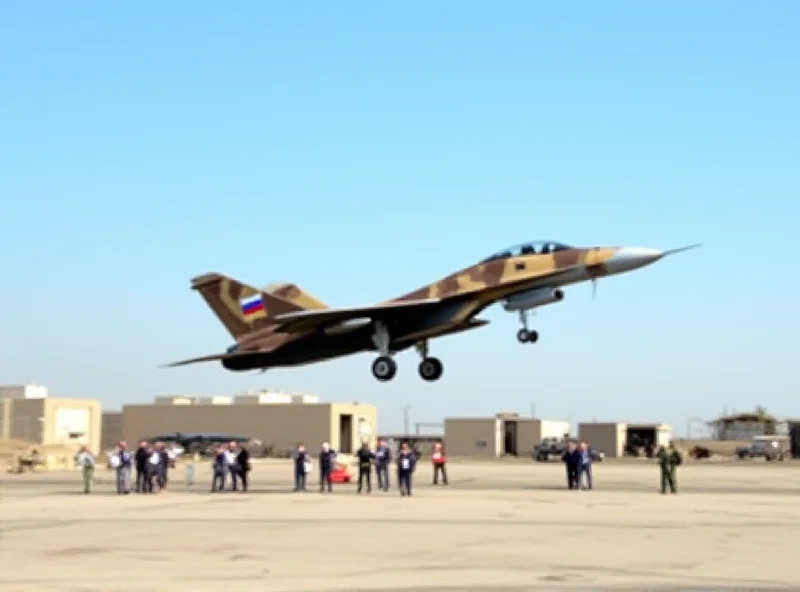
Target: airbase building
column 611, row 437
column 27, row 412
column 278, row 419
column 505, row 433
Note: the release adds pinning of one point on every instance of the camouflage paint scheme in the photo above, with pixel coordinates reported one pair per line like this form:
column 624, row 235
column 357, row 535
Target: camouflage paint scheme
column 295, row 328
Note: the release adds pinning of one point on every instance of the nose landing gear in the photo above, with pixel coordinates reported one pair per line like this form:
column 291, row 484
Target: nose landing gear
column 526, row 335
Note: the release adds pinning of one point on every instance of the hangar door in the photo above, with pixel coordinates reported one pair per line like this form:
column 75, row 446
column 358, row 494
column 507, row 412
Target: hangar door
column 72, row 426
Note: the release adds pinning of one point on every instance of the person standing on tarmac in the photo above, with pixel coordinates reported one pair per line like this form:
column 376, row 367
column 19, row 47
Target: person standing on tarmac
column 140, row 461
column 439, row 461
column 383, row 456
column 153, row 469
column 86, row 461
column 668, row 461
column 219, row 468
column 233, row 470
column 406, row 461
column 243, row 464
column 163, row 467
column 365, row 457
column 584, row 465
column 327, row 462
column 300, row 467
column 571, row 458
column 123, row 469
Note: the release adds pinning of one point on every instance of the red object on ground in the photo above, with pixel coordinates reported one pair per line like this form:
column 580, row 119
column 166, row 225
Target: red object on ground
column 340, row 474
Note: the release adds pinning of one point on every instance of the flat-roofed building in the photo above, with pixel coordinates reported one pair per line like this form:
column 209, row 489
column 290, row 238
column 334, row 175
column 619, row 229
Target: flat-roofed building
column 610, row 438
column 504, row 434
column 28, row 413
column 280, row 425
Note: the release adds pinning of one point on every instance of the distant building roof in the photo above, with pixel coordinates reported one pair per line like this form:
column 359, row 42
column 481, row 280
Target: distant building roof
column 744, row 418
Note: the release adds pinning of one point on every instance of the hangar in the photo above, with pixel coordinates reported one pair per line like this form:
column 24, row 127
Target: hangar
column 30, row 414
column 110, row 429
column 277, row 419
column 611, row 437
column 491, row 437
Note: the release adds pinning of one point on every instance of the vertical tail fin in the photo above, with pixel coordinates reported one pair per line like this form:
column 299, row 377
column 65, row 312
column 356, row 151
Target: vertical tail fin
column 293, row 293
column 240, row 308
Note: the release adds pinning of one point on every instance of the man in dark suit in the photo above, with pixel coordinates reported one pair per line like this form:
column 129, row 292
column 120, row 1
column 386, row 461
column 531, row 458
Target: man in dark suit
column 243, row 466
column 572, row 458
column 140, row 462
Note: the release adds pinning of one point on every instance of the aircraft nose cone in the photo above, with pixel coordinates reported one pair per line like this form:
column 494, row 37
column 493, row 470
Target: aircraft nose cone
column 629, row 258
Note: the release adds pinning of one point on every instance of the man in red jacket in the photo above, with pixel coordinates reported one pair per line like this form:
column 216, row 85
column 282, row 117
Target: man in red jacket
column 439, row 461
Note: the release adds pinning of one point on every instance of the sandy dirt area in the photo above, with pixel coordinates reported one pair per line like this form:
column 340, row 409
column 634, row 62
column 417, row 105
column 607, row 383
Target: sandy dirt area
column 497, row 526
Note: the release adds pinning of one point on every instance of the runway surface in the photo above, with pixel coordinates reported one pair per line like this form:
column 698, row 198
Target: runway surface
column 497, row 527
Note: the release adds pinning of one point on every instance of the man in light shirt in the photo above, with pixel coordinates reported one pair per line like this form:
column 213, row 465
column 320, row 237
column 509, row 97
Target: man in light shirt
column 86, row 461
column 123, row 468
column 233, row 467
column 153, row 469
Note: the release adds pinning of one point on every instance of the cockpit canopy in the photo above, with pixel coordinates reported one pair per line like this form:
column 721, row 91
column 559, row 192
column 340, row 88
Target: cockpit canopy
column 530, row 248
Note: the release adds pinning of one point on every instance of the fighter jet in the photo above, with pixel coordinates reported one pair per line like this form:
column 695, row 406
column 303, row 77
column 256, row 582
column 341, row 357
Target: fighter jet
column 284, row 326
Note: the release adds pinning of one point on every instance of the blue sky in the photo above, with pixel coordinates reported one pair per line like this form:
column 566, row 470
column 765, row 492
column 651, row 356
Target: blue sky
column 362, row 149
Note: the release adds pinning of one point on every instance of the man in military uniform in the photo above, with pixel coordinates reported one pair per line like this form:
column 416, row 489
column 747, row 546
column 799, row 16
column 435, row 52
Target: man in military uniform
column 668, row 461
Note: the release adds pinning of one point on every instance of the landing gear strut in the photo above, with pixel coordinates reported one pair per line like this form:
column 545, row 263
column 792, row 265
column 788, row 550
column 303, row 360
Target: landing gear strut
column 384, row 367
column 526, row 335
column 430, row 368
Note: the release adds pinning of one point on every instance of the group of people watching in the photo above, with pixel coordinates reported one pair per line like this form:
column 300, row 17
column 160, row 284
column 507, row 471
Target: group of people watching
column 578, row 462
column 231, row 462
column 368, row 460
column 151, row 461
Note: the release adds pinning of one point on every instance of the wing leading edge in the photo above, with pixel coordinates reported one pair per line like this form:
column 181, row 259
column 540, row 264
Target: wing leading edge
column 209, row 358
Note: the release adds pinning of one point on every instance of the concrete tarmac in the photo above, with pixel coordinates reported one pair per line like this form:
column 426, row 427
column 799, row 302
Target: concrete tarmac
column 496, row 527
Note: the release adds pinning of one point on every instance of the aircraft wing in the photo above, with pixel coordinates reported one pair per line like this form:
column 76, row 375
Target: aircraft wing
column 304, row 320
column 211, row 358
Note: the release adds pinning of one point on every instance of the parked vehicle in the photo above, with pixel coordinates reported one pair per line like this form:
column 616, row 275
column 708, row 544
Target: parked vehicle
column 768, row 450
column 553, row 448
column 202, row 443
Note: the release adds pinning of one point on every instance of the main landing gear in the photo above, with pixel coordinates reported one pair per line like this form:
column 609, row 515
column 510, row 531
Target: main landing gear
column 430, row 368
column 526, row 335
column 384, row 367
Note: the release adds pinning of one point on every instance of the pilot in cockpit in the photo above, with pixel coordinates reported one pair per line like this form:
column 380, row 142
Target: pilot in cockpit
column 545, row 248
column 527, row 250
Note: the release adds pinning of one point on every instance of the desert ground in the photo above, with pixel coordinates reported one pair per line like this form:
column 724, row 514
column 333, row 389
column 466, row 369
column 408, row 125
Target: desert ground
column 497, row 527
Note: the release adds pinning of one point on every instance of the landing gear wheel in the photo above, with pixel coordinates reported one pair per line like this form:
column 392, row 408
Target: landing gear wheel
column 384, row 368
column 431, row 369
column 525, row 336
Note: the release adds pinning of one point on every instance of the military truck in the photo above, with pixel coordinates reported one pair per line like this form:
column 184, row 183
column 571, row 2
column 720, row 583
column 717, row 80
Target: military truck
column 760, row 449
